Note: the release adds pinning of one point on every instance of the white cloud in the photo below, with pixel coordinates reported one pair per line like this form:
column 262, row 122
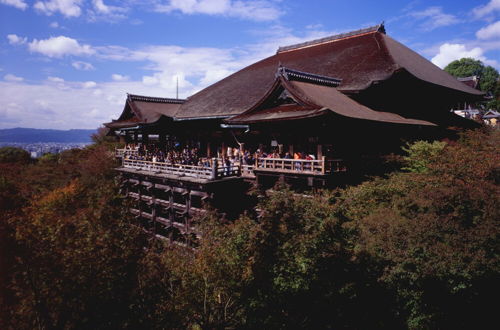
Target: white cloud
column 16, row 40
column 101, row 11
column 257, row 10
column 89, row 84
column 489, row 32
column 55, row 79
column 12, row 78
column 59, row 46
column 20, row 4
column 433, row 18
column 103, row 8
column 451, row 52
column 119, row 77
column 68, row 8
column 47, row 105
column 486, row 10
column 56, row 103
column 83, row 66
column 54, row 25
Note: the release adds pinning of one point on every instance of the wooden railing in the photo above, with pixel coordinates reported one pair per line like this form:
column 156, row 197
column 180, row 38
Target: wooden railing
column 303, row 166
column 200, row 172
column 217, row 170
column 247, row 171
column 120, row 153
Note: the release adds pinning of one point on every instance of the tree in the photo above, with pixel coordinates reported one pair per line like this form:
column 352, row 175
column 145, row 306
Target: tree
column 73, row 256
column 466, row 67
column 14, row 155
column 434, row 233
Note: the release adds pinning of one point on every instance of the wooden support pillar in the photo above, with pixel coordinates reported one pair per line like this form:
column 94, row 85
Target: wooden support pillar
column 320, row 151
column 171, row 214
column 162, row 139
column 290, row 149
column 209, row 150
column 224, row 149
column 214, row 168
column 153, row 208
column 187, row 201
column 242, row 149
column 140, row 198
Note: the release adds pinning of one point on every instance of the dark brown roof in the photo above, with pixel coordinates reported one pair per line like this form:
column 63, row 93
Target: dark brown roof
column 311, row 99
column 472, row 81
column 359, row 58
column 145, row 110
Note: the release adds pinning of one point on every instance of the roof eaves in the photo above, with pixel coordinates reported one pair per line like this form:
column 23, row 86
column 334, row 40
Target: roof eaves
column 201, row 118
column 291, row 75
column 143, row 98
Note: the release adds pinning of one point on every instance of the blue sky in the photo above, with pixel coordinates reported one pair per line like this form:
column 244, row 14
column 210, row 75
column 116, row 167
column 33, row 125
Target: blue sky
column 69, row 63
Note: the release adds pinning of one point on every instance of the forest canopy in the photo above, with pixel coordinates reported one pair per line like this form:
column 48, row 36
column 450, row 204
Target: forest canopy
column 416, row 249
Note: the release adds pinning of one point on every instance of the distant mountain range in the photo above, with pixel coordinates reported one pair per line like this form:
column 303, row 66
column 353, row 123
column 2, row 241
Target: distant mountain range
column 33, row 135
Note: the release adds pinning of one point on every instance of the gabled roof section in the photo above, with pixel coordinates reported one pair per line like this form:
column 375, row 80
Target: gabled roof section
column 360, row 58
column 311, row 98
column 491, row 114
column 141, row 109
column 317, row 79
column 472, row 81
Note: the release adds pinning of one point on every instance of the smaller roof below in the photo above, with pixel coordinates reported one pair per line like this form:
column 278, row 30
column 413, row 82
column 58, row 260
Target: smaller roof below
column 491, row 114
column 141, row 109
column 154, row 99
column 472, row 81
column 294, row 75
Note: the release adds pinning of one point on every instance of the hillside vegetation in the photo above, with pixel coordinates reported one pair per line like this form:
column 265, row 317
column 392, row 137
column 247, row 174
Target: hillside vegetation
column 417, row 249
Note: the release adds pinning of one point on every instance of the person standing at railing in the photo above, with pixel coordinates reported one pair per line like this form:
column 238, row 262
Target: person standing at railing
column 297, row 155
column 227, row 165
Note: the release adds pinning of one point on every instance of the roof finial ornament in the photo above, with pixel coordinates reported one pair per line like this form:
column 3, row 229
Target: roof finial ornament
column 281, row 71
column 381, row 27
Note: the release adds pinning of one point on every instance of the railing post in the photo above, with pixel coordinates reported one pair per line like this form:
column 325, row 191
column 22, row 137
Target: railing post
column 214, row 168
column 323, row 165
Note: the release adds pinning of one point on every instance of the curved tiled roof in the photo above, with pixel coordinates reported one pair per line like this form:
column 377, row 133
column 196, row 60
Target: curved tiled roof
column 359, row 58
column 145, row 110
column 312, row 99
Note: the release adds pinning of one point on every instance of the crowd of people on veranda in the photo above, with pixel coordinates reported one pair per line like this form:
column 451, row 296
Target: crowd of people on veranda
column 190, row 155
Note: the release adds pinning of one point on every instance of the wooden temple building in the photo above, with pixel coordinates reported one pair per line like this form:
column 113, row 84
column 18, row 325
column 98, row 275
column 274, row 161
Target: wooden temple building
column 310, row 115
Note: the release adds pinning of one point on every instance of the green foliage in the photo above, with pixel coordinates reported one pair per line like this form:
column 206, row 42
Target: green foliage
column 14, row 155
column 101, row 138
column 75, row 255
column 466, row 67
column 436, row 233
column 489, row 79
column 495, row 102
column 421, row 154
column 417, row 250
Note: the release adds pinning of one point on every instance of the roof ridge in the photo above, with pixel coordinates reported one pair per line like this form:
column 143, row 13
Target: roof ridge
column 290, row 75
column 143, row 98
column 376, row 28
